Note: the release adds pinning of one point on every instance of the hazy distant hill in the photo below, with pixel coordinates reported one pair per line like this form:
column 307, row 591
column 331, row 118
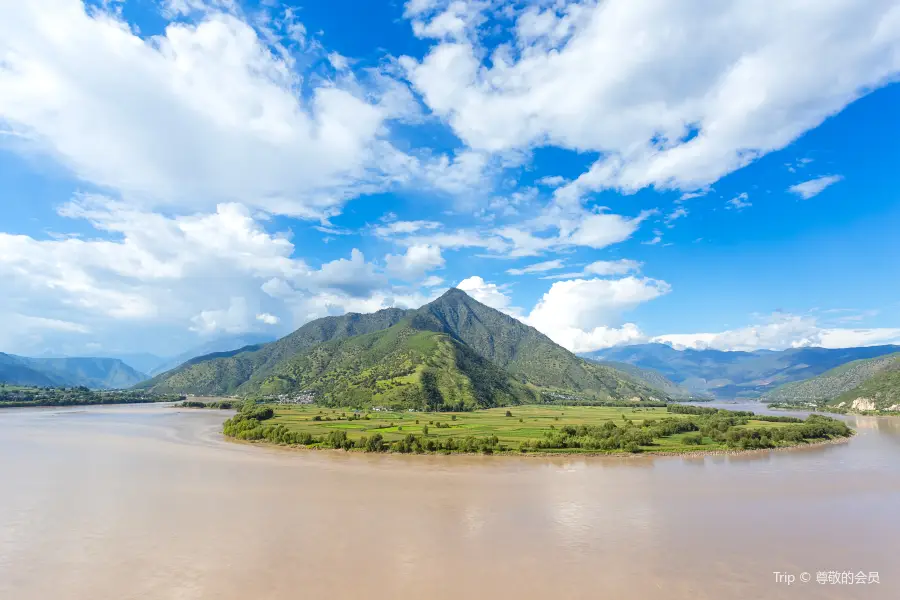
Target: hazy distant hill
column 96, row 373
column 226, row 343
column 654, row 379
column 736, row 374
column 452, row 352
column 875, row 381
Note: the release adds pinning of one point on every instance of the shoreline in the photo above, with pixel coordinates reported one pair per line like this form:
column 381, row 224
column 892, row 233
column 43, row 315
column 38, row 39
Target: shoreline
column 592, row 454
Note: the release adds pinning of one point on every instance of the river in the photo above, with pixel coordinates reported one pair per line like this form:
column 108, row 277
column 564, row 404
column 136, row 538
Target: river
column 149, row 502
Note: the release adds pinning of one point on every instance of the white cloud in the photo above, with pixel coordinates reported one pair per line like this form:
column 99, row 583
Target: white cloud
column 552, row 181
column 268, row 319
column 354, row 277
column 782, row 331
column 579, row 314
column 418, row 260
column 404, row 227
column 602, row 268
column 432, row 281
column 202, row 114
column 142, row 274
column 600, row 230
column 234, row 319
column 813, row 187
column 540, row 267
column 717, row 100
column 739, row 202
column 613, row 267
column 656, row 239
column 675, row 215
column 490, row 294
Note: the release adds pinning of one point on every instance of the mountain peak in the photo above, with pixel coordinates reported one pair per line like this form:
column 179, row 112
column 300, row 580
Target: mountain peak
column 455, row 292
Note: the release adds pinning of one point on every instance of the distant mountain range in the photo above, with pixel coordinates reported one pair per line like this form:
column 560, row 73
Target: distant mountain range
column 96, row 373
column 654, row 379
column 117, row 372
column 729, row 375
column 868, row 384
column 452, row 352
column 225, row 343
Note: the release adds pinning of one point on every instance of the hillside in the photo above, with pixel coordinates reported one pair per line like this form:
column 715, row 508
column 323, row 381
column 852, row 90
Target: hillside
column 880, row 392
column 875, row 381
column 525, row 352
column 393, row 356
column 654, row 379
column 95, row 373
column 222, row 373
column 736, row 374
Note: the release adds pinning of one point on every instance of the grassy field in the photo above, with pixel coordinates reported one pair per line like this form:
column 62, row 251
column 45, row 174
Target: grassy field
column 526, row 423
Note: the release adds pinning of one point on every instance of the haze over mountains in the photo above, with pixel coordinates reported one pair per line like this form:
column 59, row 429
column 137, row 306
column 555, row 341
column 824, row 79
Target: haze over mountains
column 111, row 372
column 97, row 373
column 729, row 375
column 452, row 352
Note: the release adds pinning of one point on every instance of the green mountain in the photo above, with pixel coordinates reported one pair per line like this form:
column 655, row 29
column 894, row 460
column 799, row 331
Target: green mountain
column 95, row 373
column 453, row 352
column 222, row 373
column 736, row 374
column 869, row 384
column 655, row 380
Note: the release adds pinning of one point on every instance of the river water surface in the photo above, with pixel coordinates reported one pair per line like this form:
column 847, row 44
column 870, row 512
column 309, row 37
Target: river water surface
column 149, row 502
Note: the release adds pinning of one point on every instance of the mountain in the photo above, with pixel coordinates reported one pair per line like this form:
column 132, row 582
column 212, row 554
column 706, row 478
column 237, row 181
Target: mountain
column 96, row 373
column 872, row 383
column 142, row 362
column 221, row 344
column 736, row 374
column 222, row 373
column 454, row 351
column 16, row 372
column 654, row 379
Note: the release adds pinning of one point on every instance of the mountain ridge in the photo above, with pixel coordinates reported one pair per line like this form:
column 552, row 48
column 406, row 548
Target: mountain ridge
column 873, row 383
column 91, row 372
column 514, row 356
column 737, row 374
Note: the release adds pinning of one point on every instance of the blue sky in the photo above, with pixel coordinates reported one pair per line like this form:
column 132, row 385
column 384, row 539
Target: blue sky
column 619, row 172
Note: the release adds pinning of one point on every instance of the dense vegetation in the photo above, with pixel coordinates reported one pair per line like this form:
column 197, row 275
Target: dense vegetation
column 531, row 429
column 452, row 354
column 96, row 373
column 11, row 396
column 736, row 374
column 862, row 385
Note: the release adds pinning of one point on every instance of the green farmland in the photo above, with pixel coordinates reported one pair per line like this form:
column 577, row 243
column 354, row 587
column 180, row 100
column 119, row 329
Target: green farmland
column 533, row 428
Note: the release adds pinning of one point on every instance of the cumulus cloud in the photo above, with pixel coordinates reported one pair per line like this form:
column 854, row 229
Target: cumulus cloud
column 204, row 113
column 579, row 314
column 268, row 319
column 418, row 260
column 490, row 294
column 781, row 331
column 731, row 81
column 354, row 277
column 814, row 187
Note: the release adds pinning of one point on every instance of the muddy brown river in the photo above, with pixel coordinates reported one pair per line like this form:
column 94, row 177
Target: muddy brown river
column 149, row 502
